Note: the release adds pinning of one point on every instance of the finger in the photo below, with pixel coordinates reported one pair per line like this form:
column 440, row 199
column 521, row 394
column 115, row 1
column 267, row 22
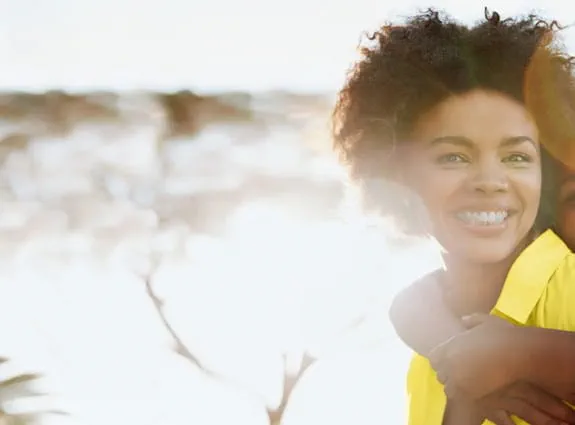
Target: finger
column 529, row 413
column 453, row 392
column 474, row 320
column 435, row 358
column 437, row 354
column 450, row 392
column 544, row 401
column 442, row 377
column 500, row 417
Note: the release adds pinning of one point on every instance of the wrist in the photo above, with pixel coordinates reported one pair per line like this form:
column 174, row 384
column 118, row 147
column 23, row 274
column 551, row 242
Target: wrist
column 525, row 352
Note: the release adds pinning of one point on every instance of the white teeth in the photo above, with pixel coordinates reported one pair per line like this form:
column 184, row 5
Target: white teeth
column 484, row 218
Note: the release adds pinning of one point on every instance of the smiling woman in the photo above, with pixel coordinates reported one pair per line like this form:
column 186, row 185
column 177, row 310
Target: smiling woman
column 475, row 162
column 462, row 116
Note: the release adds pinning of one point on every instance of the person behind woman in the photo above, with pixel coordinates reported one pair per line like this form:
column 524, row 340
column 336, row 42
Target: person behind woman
column 458, row 115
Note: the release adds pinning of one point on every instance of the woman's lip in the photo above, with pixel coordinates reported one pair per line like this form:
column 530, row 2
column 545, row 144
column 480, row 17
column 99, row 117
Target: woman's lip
column 509, row 212
column 483, row 229
column 483, row 209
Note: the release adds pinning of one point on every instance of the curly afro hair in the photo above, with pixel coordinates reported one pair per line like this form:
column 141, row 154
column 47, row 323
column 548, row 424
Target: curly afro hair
column 408, row 69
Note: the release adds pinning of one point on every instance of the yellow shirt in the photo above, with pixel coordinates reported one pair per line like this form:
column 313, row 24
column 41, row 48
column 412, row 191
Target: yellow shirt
column 538, row 291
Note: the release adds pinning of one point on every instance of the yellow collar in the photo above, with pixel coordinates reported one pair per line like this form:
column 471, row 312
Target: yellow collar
column 529, row 276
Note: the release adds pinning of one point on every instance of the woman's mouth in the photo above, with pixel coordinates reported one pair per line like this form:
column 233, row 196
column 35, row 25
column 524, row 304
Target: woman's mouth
column 483, row 218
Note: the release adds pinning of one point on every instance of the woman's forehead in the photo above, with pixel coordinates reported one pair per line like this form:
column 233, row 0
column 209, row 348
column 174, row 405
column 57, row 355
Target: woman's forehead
column 478, row 114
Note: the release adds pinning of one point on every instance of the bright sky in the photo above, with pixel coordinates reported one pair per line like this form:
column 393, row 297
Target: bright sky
column 206, row 45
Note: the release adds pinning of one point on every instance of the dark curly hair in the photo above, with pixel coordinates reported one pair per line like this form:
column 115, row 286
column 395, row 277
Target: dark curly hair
column 408, row 69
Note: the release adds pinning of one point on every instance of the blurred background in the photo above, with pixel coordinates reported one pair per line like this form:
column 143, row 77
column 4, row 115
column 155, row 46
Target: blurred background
column 177, row 240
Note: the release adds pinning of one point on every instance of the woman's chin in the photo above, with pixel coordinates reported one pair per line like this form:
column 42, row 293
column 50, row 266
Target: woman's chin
column 481, row 251
column 485, row 256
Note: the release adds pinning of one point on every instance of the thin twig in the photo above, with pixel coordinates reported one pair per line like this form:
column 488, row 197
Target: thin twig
column 275, row 415
column 180, row 347
column 290, row 381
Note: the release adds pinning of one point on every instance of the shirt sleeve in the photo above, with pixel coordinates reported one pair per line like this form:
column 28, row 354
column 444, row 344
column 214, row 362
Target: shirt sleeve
column 557, row 304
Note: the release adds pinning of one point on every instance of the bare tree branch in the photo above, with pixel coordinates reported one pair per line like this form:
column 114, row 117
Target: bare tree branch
column 180, row 348
column 290, row 381
column 275, row 415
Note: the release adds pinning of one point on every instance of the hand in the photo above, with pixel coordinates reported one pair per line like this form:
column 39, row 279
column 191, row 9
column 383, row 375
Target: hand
column 528, row 402
column 479, row 361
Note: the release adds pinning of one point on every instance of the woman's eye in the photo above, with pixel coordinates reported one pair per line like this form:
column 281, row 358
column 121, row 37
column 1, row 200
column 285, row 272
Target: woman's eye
column 452, row 158
column 518, row 157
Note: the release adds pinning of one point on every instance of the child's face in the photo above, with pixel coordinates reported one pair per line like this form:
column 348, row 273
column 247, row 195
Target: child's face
column 566, row 207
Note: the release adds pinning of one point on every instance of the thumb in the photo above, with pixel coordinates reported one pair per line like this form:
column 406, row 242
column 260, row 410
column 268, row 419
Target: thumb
column 474, row 320
column 500, row 417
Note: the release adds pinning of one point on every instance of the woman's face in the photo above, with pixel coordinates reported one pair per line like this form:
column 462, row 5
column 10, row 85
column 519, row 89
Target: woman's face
column 474, row 160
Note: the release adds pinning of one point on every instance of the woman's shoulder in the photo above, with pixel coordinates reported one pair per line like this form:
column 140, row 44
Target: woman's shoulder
column 540, row 270
column 548, row 239
column 552, row 259
column 556, row 306
column 541, row 259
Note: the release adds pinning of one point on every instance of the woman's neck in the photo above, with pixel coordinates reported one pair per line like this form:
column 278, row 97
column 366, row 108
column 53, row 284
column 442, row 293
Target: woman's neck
column 474, row 287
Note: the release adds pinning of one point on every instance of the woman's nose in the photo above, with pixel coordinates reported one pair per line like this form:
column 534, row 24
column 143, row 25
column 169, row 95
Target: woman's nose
column 490, row 178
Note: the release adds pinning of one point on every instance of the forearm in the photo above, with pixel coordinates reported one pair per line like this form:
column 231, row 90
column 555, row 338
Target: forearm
column 550, row 360
column 421, row 318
